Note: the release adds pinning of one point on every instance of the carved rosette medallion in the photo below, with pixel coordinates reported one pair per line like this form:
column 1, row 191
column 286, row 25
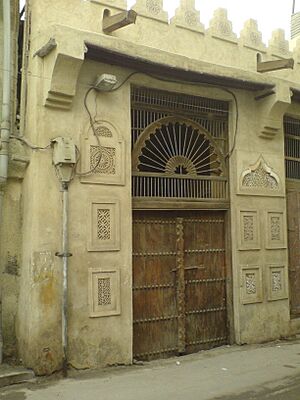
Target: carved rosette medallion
column 255, row 38
column 224, row 28
column 191, row 18
column 153, row 6
column 220, row 26
column 107, row 164
column 250, row 35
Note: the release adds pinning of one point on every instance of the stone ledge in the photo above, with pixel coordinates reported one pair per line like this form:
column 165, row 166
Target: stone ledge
column 13, row 375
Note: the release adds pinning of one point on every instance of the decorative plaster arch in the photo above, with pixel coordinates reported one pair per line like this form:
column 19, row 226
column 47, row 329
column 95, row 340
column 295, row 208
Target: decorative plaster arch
column 260, row 176
column 182, row 155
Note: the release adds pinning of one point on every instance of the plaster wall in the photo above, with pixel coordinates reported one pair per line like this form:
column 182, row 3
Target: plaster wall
column 92, row 341
column 270, row 317
column 11, row 212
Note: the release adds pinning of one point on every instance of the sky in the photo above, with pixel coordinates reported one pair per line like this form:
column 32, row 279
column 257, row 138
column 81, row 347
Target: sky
column 270, row 14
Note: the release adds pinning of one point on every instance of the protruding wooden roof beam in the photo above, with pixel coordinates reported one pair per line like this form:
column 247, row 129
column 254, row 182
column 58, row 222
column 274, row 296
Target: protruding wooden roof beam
column 111, row 23
column 275, row 65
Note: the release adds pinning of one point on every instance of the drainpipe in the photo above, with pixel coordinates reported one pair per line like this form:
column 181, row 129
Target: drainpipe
column 64, row 160
column 5, row 120
column 65, row 256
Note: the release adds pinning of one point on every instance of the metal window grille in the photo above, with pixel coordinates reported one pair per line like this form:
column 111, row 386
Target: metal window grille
column 292, row 147
column 178, row 160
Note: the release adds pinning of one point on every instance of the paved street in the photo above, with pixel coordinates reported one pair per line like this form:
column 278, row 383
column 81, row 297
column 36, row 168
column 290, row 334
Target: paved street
column 230, row 373
column 286, row 389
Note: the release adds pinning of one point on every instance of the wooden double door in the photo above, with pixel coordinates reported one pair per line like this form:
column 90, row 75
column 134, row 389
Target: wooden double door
column 293, row 218
column 179, row 283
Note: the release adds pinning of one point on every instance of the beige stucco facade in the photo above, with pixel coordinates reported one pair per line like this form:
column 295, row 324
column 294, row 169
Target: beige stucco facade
column 54, row 89
column 10, row 215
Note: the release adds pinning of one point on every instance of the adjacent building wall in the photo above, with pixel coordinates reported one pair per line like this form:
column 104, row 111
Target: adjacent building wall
column 11, row 219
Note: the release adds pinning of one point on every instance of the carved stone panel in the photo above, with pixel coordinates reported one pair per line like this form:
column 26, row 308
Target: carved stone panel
column 104, row 292
column 251, row 37
column 220, row 27
column 187, row 17
column 104, row 226
column 251, row 285
column 151, row 9
column 277, row 282
column 276, row 230
column 249, row 232
column 260, row 179
column 102, row 156
column 278, row 45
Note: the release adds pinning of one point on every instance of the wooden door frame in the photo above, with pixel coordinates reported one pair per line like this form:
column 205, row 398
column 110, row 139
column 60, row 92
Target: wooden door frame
column 199, row 206
column 291, row 186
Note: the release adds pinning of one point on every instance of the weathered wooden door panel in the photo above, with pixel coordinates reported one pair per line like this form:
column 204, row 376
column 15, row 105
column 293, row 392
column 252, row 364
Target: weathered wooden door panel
column 206, row 318
column 179, row 287
column 293, row 216
column 154, row 291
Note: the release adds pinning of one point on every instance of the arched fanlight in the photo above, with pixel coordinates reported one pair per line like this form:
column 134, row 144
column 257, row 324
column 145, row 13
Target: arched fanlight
column 173, row 146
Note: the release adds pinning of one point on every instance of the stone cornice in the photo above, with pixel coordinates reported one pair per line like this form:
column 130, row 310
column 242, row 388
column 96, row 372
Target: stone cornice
column 63, row 65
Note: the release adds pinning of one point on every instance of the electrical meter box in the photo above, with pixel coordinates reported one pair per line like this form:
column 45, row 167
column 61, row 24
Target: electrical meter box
column 64, row 151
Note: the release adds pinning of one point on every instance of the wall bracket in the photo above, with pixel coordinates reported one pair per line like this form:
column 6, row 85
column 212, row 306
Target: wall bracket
column 111, row 23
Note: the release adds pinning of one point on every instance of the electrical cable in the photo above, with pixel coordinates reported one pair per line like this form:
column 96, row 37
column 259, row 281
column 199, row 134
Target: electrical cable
column 92, row 124
column 28, row 144
column 227, row 155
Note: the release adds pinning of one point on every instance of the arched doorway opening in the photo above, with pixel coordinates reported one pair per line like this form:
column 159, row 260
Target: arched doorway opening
column 180, row 192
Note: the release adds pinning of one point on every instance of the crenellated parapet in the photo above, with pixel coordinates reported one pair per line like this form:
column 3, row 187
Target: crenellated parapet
column 151, row 9
column 278, row 45
column 251, row 37
column 183, row 36
column 187, row 17
column 121, row 4
column 220, row 27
